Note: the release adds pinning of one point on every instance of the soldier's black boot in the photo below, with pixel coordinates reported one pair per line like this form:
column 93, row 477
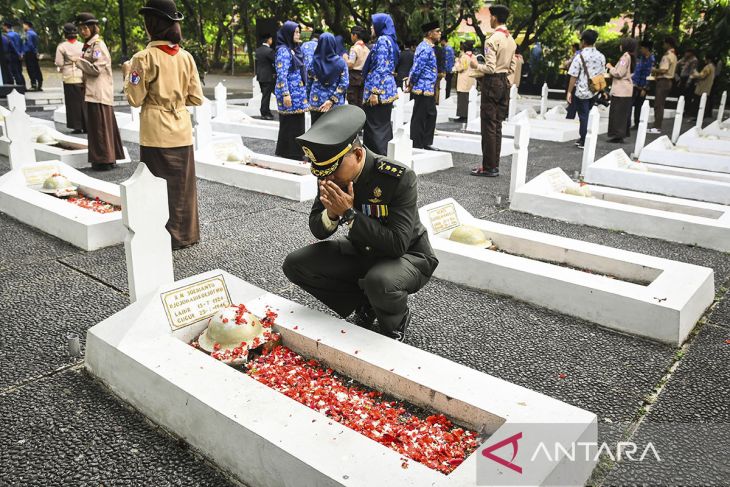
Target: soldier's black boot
column 399, row 334
column 364, row 316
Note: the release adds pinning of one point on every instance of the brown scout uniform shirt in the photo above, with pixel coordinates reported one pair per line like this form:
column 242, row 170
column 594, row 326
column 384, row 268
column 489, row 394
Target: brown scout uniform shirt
column 96, row 63
column 358, row 54
column 65, row 52
column 499, row 54
column 668, row 62
column 163, row 85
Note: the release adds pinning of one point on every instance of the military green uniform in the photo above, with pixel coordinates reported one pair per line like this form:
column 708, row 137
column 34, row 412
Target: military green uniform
column 386, row 255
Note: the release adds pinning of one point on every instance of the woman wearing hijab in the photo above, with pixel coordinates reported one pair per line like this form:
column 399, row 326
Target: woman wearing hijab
column 290, row 91
column 379, row 90
column 105, row 144
column 329, row 77
column 622, row 90
column 340, row 44
column 163, row 79
column 73, row 81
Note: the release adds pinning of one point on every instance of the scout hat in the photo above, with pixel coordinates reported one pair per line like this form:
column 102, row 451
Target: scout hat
column 429, row 26
column 86, row 18
column 331, row 137
column 162, row 8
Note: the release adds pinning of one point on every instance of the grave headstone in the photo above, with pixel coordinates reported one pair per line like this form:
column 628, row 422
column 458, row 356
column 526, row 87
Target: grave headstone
column 589, row 147
column 442, row 91
column 400, row 147
column 21, row 149
column 519, row 158
column 398, row 116
column 678, row 115
column 721, row 109
column 16, row 101
column 544, row 100
column 701, row 111
column 473, row 109
column 643, row 126
column 512, row 111
column 147, row 245
column 203, row 129
column 256, row 88
column 221, row 100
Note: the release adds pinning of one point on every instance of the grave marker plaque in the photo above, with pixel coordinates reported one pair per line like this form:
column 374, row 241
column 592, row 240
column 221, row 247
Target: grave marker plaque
column 195, row 302
column 443, row 218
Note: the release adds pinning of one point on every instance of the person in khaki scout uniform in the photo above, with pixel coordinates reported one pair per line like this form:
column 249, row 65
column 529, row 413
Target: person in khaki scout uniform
column 105, row 144
column 73, row 81
column 163, row 79
column 499, row 54
column 664, row 78
column 386, row 255
column 355, row 61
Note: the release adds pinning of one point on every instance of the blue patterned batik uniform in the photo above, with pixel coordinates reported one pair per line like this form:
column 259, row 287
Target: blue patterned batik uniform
column 380, row 79
column 336, row 92
column 449, row 58
column 424, row 72
column 308, row 52
column 289, row 82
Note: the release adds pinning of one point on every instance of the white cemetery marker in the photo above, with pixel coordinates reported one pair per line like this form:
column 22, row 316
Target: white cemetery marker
column 16, row 100
column 147, row 245
column 442, row 90
column 398, row 117
column 221, row 98
column 543, row 100
column 643, row 126
column 518, row 174
column 678, row 115
column 721, row 109
column 203, row 128
column 589, row 148
column 21, row 150
column 701, row 111
column 135, row 114
column 512, row 102
column 473, row 109
column 256, row 88
column 400, row 147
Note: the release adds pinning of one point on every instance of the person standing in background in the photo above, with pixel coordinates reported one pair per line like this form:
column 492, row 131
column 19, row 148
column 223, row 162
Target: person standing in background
column 664, row 75
column 422, row 82
column 587, row 64
column 105, row 144
column 703, row 82
column 291, row 91
column 575, row 48
column 619, row 115
column 379, row 91
column 309, row 47
column 14, row 54
column 686, row 66
column 464, row 82
column 163, row 79
column 644, row 65
column 329, row 77
column 449, row 62
column 30, row 54
column 355, row 62
column 405, row 62
column 73, row 79
column 265, row 74
column 499, row 57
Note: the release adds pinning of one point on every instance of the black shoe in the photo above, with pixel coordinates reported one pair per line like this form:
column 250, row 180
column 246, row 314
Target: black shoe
column 458, row 119
column 430, row 147
column 77, row 131
column 487, row 173
column 103, row 167
column 399, row 334
column 267, row 117
column 364, row 316
column 616, row 140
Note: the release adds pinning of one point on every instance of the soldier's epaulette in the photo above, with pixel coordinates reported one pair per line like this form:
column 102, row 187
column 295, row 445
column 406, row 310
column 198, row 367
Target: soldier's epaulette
column 392, row 169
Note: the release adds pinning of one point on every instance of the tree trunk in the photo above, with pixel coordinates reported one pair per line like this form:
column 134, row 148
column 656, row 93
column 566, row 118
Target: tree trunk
column 218, row 48
column 247, row 33
column 678, row 4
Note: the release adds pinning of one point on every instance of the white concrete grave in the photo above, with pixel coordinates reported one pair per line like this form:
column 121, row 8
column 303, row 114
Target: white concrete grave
column 252, row 106
column 591, row 142
column 128, row 124
column 400, row 148
column 467, row 143
column 553, row 194
column 678, row 115
column 701, row 111
column 21, row 198
column 217, row 409
column 235, row 120
column 224, row 159
column 19, row 146
column 147, row 245
column 721, row 108
column 625, row 291
column 695, row 140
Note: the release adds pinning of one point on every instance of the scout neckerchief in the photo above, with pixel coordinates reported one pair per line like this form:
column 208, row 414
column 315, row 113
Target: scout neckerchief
column 170, row 49
column 502, row 29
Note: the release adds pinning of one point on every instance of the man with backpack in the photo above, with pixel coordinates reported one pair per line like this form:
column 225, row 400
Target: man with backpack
column 587, row 76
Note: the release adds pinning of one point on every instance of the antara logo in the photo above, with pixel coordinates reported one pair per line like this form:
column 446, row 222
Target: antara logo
column 487, row 452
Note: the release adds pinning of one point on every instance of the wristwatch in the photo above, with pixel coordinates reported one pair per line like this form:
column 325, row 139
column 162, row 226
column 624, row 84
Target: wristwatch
column 348, row 216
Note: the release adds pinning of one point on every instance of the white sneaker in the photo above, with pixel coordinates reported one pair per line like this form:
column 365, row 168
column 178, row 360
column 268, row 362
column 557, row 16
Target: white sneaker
column 653, row 131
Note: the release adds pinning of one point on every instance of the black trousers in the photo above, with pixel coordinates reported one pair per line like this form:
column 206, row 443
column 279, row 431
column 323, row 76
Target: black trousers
column 378, row 129
column 423, row 121
column 16, row 71
column 449, row 79
column 290, row 127
column 618, row 116
column 494, row 108
column 637, row 103
column 267, row 88
column 333, row 272
column 34, row 69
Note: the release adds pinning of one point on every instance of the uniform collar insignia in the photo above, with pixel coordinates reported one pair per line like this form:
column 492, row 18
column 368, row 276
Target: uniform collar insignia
column 377, row 193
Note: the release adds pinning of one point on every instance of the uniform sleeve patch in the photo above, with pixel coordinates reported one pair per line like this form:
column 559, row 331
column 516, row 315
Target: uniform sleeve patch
column 391, row 169
column 134, row 77
column 97, row 53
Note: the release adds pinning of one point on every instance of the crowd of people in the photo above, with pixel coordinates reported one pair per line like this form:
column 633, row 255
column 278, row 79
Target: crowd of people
column 19, row 49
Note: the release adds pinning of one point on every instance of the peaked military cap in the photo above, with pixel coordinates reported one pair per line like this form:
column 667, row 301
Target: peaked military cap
column 86, row 18
column 429, row 26
column 331, row 137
